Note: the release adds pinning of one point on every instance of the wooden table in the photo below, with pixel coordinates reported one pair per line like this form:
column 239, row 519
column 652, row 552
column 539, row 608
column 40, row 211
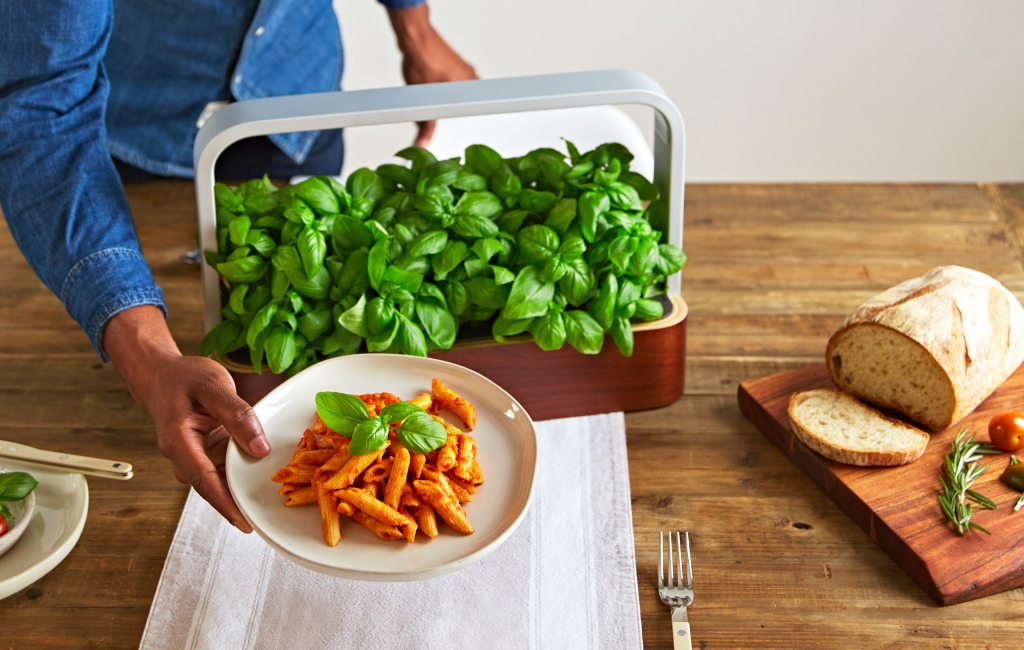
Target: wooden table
column 773, row 269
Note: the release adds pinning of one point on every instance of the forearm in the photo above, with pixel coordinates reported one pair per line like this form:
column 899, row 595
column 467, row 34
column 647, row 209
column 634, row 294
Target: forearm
column 60, row 193
column 412, row 27
column 137, row 340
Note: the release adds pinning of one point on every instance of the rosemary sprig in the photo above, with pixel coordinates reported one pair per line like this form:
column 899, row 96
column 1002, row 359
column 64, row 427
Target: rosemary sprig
column 962, row 471
column 988, row 449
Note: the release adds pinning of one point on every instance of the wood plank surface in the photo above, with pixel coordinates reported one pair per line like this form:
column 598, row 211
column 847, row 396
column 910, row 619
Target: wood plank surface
column 772, row 270
column 897, row 506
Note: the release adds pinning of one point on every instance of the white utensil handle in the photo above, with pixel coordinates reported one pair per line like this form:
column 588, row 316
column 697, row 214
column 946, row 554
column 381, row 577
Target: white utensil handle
column 100, row 467
column 681, row 635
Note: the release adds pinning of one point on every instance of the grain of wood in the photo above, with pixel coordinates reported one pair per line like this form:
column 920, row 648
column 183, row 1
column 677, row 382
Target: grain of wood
column 773, row 270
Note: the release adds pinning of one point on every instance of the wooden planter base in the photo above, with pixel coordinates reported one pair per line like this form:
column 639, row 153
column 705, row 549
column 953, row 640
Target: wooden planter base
column 562, row 383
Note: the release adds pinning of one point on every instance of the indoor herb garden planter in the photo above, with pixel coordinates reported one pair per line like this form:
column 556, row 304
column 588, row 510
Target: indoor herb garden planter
column 563, row 251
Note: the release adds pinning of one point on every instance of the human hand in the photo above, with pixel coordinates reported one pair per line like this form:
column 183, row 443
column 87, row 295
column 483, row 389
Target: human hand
column 426, row 57
column 192, row 401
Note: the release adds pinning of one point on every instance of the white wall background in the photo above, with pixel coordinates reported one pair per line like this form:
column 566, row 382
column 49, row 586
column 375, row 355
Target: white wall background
column 771, row 90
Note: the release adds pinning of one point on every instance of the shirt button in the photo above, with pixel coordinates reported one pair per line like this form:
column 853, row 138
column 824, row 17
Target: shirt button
column 259, row 31
column 238, row 78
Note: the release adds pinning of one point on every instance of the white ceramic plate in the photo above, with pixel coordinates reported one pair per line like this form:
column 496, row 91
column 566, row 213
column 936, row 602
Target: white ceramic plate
column 507, row 452
column 62, row 502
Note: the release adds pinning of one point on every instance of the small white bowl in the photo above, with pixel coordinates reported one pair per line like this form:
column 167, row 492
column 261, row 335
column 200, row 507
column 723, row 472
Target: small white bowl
column 16, row 526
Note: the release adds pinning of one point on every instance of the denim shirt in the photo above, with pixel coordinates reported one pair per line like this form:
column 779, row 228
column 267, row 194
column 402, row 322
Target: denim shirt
column 81, row 80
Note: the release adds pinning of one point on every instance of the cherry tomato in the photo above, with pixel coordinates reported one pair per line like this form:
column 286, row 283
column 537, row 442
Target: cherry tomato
column 3, row 526
column 1006, row 431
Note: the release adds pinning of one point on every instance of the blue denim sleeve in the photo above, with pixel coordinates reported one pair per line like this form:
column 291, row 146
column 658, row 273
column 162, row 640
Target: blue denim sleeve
column 401, row 4
column 60, row 194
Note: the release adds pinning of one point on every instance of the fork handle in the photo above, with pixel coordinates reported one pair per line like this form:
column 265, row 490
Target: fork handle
column 680, row 630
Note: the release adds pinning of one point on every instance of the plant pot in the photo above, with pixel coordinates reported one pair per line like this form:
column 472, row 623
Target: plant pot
column 561, row 383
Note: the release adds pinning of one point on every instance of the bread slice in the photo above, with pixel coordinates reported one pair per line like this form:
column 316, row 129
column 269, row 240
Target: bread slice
column 840, row 427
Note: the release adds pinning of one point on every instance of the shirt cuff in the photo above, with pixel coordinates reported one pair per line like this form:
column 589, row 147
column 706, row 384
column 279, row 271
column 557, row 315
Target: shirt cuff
column 105, row 283
column 401, row 4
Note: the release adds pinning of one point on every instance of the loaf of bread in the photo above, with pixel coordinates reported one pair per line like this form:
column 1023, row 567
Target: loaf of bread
column 933, row 347
column 839, row 426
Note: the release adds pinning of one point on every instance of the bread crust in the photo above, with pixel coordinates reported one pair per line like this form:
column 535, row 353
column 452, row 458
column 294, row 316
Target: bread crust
column 966, row 321
column 851, row 456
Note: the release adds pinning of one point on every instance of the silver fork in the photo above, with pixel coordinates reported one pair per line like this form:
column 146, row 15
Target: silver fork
column 675, row 593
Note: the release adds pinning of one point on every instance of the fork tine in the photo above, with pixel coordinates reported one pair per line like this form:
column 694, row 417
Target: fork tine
column 689, row 568
column 679, row 559
column 661, row 558
column 671, row 564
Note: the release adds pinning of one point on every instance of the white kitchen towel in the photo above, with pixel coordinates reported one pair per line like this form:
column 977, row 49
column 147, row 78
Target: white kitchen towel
column 566, row 579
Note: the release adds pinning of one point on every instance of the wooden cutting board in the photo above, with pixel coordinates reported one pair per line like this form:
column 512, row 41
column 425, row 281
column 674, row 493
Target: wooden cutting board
column 898, row 506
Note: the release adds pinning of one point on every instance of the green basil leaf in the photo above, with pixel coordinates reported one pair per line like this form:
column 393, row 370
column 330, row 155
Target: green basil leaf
column 670, row 259
column 624, row 196
column 317, row 194
column 502, row 275
column 213, row 258
column 15, row 486
column 622, row 334
column 222, row 239
column 486, row 248
column 382, row 340
column 280, row 347
column 512, row 221
column 621, row 250
column 505, row 184
column 428, row 243
column 473, row 227
column 554, row 269
column 377, row 263
column 261, row 241
column 316, row 287
column 421, row 434
column 313, row 324
column 530, row 295
column 256, row 298
column 577, row 283
column 419, row 156
column 441, row 173
column 354, row 319
column 592, row 205
column 256, row 350
column 410, row 338
column 354, row 278
column 341, row 342
column 457, row 297
column 286, row 258
column 399, row 175
column 609, row 175
column 537, row 244
column 579, row 170
column 369, row 436
column 365, row 183
column 312, row 250
column 247, row 269
column 437, row 321
column 269, row 221
column 349, row 233
column 239, row 253
column 474, row 267
column 535, row 201
column 279, row 284
column 502, row 327
column 261, row 321
column 396, row 278
column 226, row 198
column 399, row 411
column 572, row 247
column 341, row 412
column 227, row 336
column 482, row 291
column 645, row 189
column 478, row 204
column 644, row 259
column 470, row 182
column 238, row 230
column 549, row 331
column 454, row 253
column 261, row 204
column 298, row 212
column 561, row 215
column 379, row 313
column 649, row 310
column 482, row 160
column 237, row 300
column 603, row 309
column 629, row 292
column 583, row 332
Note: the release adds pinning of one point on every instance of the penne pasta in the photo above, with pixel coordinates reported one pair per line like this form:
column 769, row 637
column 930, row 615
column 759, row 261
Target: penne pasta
column 444, row 504
column 294, row 474
column 446, row 398
column 372, row 506
column 465, row 485
column 416, row 463
column 396, row 481
column 467, row 455
column 318, row 457
column 301, row 496
column 424, row 401
column 353, row 467
column 447, row 455
column 378, row 471
column 328, row 505
column 409, row 498
column 383, row 531
column 427, row 520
